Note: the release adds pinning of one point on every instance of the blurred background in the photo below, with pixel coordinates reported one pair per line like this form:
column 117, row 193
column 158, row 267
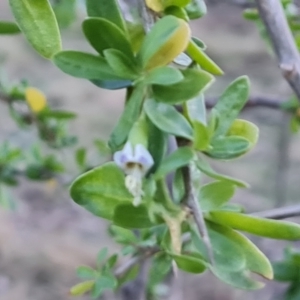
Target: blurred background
column 46, row 236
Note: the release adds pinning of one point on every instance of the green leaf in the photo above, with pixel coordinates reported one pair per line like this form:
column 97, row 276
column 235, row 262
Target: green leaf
column 177, row 11
column 85, row 272
column 201, row 136
column 37, row 21
column 103, row 283
column 7, row 27
column 244, row 129
column 121, row 64
column 160, row 267
column 101, row 190
column 196, row 109
column 102, row 255
column 205, row 62
column 163, row 76
column 65, row 12
column 103, row 34
column 123, row 236
column 230, row 104
column 129, row 216
column 129, row 117
column 109, row 10
column 285, row 271
column 168, row 119
column 112, row 84
column 258, row 226
column 227, row 253
column 204, row 166
column 57, row 114
column 179, row 158
column 156, row 144
column 255, row 261
column 194, row 82
column 166, row 40
column 190, row 263
column 84, row 65
column 80, row 157
column 196, row 9
column 228, row 147
column 213, row 195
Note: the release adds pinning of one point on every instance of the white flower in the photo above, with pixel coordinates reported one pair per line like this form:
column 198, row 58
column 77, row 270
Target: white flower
column 135, row 162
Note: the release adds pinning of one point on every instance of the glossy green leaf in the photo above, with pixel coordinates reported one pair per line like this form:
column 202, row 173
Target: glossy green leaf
column 263, row 227
column 163, row 76
column 123, row 236
column 178, row 189
column 201, row 136
column 168, row 119
column 255, row 261
column 228, row 147
column 179, row 158
column 157, row 144
column 37, row 21
column 204, row 61
column 230, row 104
column 129, row 117
column 189, row 263
column 177, row 11
column 240, row 279
column 109, row 10
column 112, row 84
column 129, row 216
column 166, row 40
column 213, row 195
column 194, row 82
column 121, row 64
column 103, row 34
column 226, row 252
column 196, row 109
column 7, row 27
column 207, row 169
column 101, row 190
column 244, row 129
column 84, row 65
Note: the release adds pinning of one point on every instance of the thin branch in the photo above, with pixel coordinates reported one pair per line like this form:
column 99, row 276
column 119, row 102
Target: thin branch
column 272, row 14
column 280, row 213
column 191, row 200
column 253, row 101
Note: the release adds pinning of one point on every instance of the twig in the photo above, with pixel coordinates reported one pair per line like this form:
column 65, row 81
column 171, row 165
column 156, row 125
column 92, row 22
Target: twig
column 192, row 201
column 280, row 213
column 281, row 176
column 253, row 101
column 272, row 14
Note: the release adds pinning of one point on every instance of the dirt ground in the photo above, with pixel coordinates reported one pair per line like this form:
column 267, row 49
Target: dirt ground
column 47, row 236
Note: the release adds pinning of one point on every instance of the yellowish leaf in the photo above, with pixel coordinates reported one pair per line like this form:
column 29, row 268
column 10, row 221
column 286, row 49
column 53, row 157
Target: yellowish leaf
column 82, row 288
column 155, row 5
column 35, row 99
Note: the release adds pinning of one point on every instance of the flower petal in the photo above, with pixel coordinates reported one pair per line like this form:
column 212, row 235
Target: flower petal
column 124, row 156
column 143, row 157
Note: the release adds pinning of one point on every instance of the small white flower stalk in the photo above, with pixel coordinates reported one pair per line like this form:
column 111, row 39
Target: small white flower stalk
column 135, row 161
